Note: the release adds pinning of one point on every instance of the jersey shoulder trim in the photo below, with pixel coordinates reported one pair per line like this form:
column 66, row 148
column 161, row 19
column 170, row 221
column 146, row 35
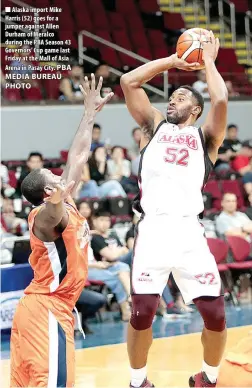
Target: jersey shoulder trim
column 204, row 146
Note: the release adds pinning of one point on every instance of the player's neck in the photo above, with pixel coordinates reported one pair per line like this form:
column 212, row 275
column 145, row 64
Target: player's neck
column 188, row 123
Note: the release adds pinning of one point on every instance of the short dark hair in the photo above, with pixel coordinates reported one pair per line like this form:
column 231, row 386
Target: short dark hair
column 101, row 213
column 33, row 187
column 35, row 154
column 97, row 126
column 135, row 129
column 197, row 95
column 232, row 126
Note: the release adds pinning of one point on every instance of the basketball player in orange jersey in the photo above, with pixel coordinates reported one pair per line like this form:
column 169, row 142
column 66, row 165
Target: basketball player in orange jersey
column 42, row 336
column 176, row 159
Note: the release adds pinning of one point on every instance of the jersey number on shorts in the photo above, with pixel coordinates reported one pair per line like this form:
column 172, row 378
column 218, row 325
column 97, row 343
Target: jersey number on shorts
column 206, row 278
column 177, row 155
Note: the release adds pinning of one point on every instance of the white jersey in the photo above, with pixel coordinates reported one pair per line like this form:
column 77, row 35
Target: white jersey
column 173, row 170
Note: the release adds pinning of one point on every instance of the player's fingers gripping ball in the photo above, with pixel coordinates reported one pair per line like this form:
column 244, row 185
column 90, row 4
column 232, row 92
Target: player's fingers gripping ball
column 189, row 45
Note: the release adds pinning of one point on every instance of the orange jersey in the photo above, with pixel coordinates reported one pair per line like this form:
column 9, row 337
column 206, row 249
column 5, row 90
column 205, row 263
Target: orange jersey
column 60, row 267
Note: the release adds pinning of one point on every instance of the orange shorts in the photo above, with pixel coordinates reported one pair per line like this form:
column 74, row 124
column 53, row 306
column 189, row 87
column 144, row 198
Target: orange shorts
column 42, row 344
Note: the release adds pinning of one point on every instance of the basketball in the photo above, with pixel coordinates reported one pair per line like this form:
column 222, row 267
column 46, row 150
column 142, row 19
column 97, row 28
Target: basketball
column 189, row 46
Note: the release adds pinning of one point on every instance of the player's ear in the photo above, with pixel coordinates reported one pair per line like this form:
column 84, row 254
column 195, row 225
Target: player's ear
column 196, row 110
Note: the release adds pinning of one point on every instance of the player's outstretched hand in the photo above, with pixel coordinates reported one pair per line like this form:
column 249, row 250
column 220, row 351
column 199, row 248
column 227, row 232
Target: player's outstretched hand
column 210, row 46
column 181, row 64
column 58, row 193
column 92, row 97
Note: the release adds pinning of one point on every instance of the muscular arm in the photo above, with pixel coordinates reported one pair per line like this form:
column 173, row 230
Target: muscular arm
column 214, row 128
column 79, row 151
column 136, row 99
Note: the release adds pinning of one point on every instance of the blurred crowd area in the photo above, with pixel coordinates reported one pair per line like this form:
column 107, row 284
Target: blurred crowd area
column 105, row 196
column 67, row 87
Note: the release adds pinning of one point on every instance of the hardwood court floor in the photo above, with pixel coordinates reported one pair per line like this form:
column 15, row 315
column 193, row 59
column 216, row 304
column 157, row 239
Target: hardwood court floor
column 171, row 362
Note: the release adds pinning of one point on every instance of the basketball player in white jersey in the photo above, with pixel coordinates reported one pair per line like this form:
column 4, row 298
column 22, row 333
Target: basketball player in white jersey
column 177, row 157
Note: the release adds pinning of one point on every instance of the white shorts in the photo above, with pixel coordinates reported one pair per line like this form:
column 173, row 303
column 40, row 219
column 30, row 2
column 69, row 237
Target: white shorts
column 166, row 244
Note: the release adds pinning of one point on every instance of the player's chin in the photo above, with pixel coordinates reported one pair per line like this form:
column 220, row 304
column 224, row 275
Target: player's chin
column 172, row 118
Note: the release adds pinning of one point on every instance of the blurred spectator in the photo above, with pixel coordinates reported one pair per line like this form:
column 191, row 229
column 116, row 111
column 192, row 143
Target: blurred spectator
column 232, row 222
column 249, row 209
column 12, row 223
column 86, row 211
column 106, row 244
column 35, row 160
column 70, row 86
column 134, row 150
column 108, row 80
column 95, row 179
column 96, row 137
column 6, row 189
column 116, row 277
column 88, row 304
column 243, row 164
column 201, row 84
column 23, row 67
column 230, row 88
column 229, row 149
column 119, row 169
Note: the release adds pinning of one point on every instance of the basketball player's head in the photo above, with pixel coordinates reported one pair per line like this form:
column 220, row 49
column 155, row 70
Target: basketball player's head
column 184, row 104
column 101, row 221
column 229, row 203
column 34, row 185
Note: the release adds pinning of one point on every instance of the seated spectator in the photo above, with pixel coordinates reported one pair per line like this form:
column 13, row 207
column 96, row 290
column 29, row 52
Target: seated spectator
column 86, row 211
column 88, row 304
column 119, row 169
column 6, row 189
column 116, row 277
column 35, row 160
column 105, row 243
column 70, row 86
column 134, row 150
column 229, row 149
column 230, row 89
column 96, row 137
column 13, row 224
column 201, row 84
column 243, row 164
column 231, row 222
column 95, row 180
column 108, row 80
column 249, row 209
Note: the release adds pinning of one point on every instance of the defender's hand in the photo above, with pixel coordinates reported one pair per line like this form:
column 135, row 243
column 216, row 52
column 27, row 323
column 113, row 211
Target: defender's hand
column 92, row 97
column 210, row 47
column 181, row 64
column 58, row 193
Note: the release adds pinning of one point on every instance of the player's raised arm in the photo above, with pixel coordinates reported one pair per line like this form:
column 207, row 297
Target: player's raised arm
column 137, row 101
column 80, row 148
column 214, row 127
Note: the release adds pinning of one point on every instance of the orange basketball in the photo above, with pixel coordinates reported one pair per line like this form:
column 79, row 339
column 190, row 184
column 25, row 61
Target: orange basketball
column 189, row 46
